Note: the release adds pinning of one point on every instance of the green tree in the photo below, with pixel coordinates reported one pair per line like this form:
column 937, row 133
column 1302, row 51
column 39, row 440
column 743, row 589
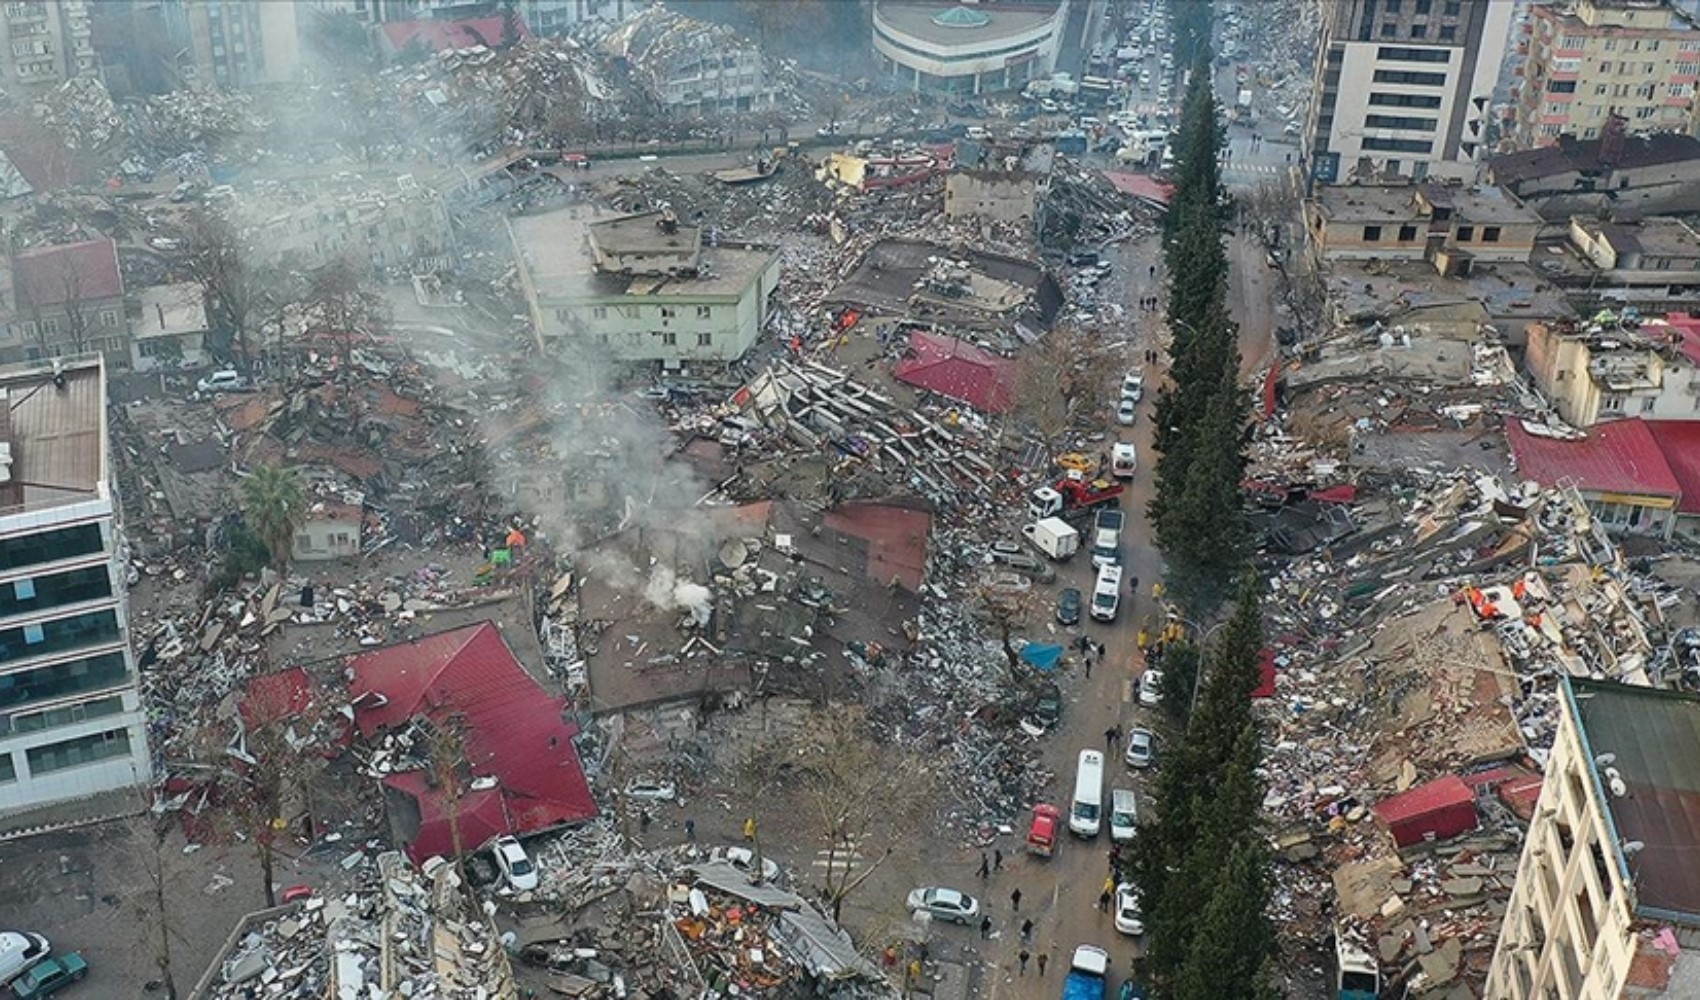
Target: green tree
column 1181, row 663
column 274, row 502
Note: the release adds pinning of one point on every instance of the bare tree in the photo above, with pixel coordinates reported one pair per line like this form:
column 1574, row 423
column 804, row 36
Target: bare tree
column 161, row 865
column 1007, row 610
column 76, row 318
column 265, row 774
column 236, row 290
column 343, row 308
column 1061, row 380
column 861, row 795
column 452, row 773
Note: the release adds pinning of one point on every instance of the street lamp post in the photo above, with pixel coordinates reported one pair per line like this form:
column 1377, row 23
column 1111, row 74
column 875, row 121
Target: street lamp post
column 1203, row 641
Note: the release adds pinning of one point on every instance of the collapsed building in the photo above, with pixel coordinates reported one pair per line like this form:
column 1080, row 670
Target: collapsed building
column 692, row 67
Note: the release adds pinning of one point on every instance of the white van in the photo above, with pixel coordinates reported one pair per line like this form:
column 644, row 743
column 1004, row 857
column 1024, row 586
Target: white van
column 1124, row 815
column 1124, row 460
column 1107, row 593
column 1085, row 815
column 20, row 950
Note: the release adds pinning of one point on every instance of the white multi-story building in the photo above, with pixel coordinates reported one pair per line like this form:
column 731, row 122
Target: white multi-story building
column 967, row 49
column 71, row 718
column 45, row 43
column 1404, row 88
column 1606, row 902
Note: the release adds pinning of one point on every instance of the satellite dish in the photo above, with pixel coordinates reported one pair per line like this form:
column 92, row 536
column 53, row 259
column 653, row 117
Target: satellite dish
column 1632, row 847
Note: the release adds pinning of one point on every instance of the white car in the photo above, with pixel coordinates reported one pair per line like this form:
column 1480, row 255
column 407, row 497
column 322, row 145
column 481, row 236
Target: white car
column 1151, row 688
column 1128, row 919
column 1127, row 411
column 227, row 380
column 945, row 904
column 19, row 952
column 1133, row 385
column 1141, row 745
column 651, row 791
column 744, row 859
column 516, row 866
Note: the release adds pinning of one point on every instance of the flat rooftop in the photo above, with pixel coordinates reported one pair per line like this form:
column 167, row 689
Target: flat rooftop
column 1395, row 202
column 170, row 310
column 642, row 233
column 1655, row 737
column 56, row 433
column 554, row 249
column 917, row 20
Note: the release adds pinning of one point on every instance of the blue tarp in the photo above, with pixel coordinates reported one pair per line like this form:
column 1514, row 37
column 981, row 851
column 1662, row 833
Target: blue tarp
column 1041, row 656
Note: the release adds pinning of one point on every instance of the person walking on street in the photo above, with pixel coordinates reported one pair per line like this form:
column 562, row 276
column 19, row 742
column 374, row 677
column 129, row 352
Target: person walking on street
column 1104, row 901
column 750, row 828
column 985, row 867
column 1087, row 659
column 1027, row 931
column 644, row 819
column 997, row 859
column 985, row 927
column 1015, row 900
column 1110, row 738
column 1043, row 958
column 1022, row 960
column 690, row 829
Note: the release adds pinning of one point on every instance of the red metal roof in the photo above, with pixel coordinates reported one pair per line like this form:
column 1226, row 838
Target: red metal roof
column 52, row 276
column 896, row 537
column 514, row 731
column 1445, row 806
column 1141, row 186
column 1679, row 442
column 441, row 35
column 1615, row 457
column 958, row 369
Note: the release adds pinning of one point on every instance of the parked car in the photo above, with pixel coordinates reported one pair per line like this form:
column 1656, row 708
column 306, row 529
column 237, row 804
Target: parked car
column 516, row 866
column 1127, row 411
column 1141, row 746
column 1043, row 711
column 1151, row 688
column 744, row 859
column 225, row 380
column 18, row 951
column 1068, row 606
column 945, row 904
column 50, row 976
column 1133, row 385
column 1022, row 561
column 651, row 791
column 1128, row 918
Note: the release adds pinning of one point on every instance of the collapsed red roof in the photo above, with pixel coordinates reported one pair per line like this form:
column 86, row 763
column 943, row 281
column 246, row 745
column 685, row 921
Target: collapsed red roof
column 79, row 272
column 1616, row 457
column 1141, row 186
column 959, row 370
column 1679, row 442
column 514, row 729
column 439, row 36
column 1444, row 808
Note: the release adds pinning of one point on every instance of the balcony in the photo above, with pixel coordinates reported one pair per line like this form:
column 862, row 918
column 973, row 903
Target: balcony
column 23, row 13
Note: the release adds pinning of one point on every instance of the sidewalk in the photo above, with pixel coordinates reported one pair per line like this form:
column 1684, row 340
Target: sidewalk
column 97, row 808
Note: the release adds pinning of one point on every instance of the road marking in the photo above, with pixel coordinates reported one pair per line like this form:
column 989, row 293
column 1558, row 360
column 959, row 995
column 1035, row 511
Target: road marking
column 844, row 858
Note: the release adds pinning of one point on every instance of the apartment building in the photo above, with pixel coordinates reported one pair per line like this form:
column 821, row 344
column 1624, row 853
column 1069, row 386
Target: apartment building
column 1592, row 59
column 64, row 300
column 1403, row 88
column 71, row 718
column 1606, row 902
column 46, row 42
column 1591, row 377
column 1450, row 226
column 236, row 43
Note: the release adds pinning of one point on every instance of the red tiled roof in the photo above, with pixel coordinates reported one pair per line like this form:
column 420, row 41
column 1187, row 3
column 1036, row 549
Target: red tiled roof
column 896, row 537
column 958, row 369
column 514, row 732
column 441, row 35
column 1679, row 441
column 92, row 268
column 1615, row 457
column 1141, row 186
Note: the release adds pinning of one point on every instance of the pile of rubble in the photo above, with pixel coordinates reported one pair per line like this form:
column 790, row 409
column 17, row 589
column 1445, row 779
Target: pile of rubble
column 83, row 114
column 191, row 122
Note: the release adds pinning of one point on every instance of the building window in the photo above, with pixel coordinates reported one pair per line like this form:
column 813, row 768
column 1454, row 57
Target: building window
column 1561, row 86
column 1612, row 404
column 1448, row 33
column 669, row 338
column 1372, row 234
column 1490, row 234
column 705, row 312
column 1647, row 405
column 1562, row 375
column 1407, row 233
column 72, row 587
column 1451, row 8
column 1394, row 53
column 1390, row 31
column 59, row 635
column 50, row 546
column 1410, row 78
column 668, row 312
column 1404, row 101
column 77, row 752
column 1398, row 145
column 8, row 770
column 599, row 312
column 563, row 315
column 1419, row 31
column 1466, row 233
column 705, row 339
column 68, row 715
column 1405, row 122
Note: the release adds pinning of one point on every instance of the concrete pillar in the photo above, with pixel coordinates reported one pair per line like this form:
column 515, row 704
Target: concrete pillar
column 977, row 84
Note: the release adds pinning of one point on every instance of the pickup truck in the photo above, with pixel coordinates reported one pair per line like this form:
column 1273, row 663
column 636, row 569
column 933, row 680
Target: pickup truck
column 1086, row 974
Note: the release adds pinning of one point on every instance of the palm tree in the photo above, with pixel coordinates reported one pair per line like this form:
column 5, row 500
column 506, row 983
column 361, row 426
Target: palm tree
column 275, row 503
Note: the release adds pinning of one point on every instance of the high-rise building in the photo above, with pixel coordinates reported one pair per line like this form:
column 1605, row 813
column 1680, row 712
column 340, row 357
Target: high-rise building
column 1606, row 902
column 71, row 717
column 1404, row 87
column 46, row 43
column 1593, row 59
column 235, row 43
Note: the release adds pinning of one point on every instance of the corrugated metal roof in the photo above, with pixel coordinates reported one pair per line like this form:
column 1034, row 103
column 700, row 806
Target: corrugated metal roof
column 1679, row 442
column 1436, row 796
column 1616, row 457
column 959, row 370
column 57, row 435
column 514, row 729
column 85, row 272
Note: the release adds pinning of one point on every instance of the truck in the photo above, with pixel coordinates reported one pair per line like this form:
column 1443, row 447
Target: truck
column 1053, row 536
column 1087, row 972
column 1107, row 537
column 1063, row 84
column 1074, row 492
column 1356, row 976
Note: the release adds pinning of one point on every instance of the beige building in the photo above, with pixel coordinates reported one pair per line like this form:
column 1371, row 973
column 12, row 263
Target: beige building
column 640, row 287
column 1447, row 225
column 1590, row 377
column 1606, row 902
column 404, row 227
column 329, row 531
column 1591, row 59
column 1613, row 175
column 1653, row 264
column 967, row 49
column 999, row 195
column 168, row 327
column 46, row 43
